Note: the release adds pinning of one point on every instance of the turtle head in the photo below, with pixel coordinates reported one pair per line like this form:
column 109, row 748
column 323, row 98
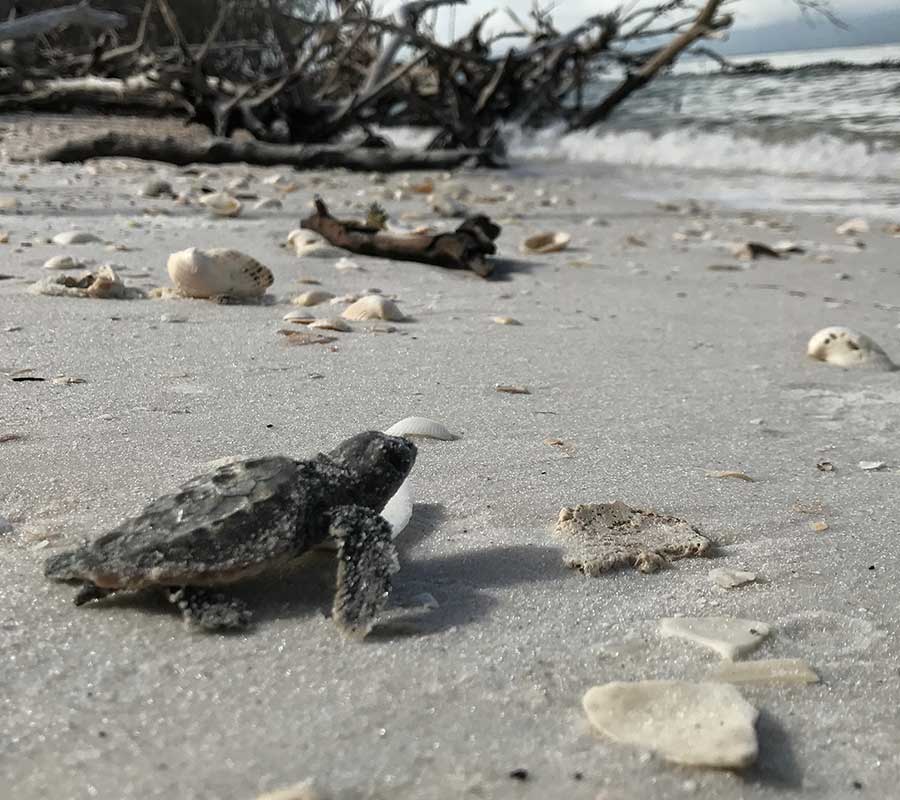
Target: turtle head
column 379, row 464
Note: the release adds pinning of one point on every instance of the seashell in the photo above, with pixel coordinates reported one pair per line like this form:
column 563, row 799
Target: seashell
column 423, row 427
column 74, row 237
column 106, row 284
column 750, row 251
column 506, row 321
column 221, row 204
column 218, row 272
column 331, row 324
column 373, row 306
column 845, row 347
column 299, row 317
column 852, row 227
column 729, row 473
column 63, row 262
column 281, row 182
column 313, row 297
column 344, row 264
column 301, row 338
column 157, row 188
column 238, row 184
column 344, row 299
column 268, row 203
column 511, row 388
column 399, row 509
column 307, row 243
column 872, row 466
column 551, row 242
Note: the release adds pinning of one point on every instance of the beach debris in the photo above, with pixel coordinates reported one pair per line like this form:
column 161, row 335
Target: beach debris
column 256, row 514
column 547, row 242
column 731, row 578
column 238, row 184
column 872, row 466
column 376, row 216
column 67, row 380
column 102, row 284
column 726, row 268
column 788, row 247
column 599, row 537
column 729, row 473
column 345, row 264
column 314, row 297
column 511, row 388
column 373, row 306
column 218, row 273
column 750, row 251
column 445, row 206
column 221, row 204
column 464, row 248
column 157, row 187
column 825, row 466
column 4, row 237
column 306, row 243
column 63, row 262
column 506, row 321
column 281, row 182
column 423, row 427
column 68, row 238
column 567, row 449
column 852, row 227
column 299, row 317
column 730, row 637
column 818, row 527
column 6, row 438
column 304, row 790
column 398, row 511
column 267, row 203
column 845, row 347
column 8, row 203
column 696, row 724
column 330, row 324
column 765, row 671
column 301, row 338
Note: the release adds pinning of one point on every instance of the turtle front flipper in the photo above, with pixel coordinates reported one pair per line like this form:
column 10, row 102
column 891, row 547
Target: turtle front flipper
column 212, row 611
column 366, row 561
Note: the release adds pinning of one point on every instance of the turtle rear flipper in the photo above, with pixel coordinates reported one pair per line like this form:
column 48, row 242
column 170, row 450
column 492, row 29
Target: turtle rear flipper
column 212, row 611
column 366, row 561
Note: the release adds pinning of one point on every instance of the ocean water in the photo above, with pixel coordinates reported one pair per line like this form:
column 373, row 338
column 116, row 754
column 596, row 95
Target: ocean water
column 822, row 133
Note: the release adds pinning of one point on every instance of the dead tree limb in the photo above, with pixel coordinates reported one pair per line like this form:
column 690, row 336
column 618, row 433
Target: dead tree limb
column 229, row 151
column 34, row 25
column 465, row 248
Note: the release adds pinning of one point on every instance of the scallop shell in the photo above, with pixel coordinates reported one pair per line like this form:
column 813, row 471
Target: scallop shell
column 218, row 272
column 63, row 262
column 421, row 426
column 845, row 347
column 313, row 297
column 331, row 324
column 550, row 242
column 373, row 306
column 221, row 204
column 74, row 237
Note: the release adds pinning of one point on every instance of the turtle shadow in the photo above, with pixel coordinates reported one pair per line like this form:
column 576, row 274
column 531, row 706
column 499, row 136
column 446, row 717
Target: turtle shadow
column 777, row 764
column 506, row 268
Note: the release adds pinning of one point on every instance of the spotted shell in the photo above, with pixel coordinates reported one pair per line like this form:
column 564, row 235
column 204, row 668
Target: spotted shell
column 218, row 272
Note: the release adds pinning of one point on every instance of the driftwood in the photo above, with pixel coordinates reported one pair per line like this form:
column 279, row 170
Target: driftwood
column 82, row 14
column 94, row 94
column 464, row 248
column 231, row 151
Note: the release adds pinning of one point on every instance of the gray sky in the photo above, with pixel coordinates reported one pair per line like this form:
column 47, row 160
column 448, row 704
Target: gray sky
column 749, row 13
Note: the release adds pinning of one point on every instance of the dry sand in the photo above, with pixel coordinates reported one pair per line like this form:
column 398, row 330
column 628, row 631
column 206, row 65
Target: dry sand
column 654, row 370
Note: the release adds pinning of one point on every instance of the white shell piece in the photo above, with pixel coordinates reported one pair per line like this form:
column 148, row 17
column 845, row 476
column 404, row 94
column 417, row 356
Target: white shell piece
column 313, row 297
column 422, row 427
column 373, row 306
column 63, row 262
column 852, row 227
column 221, row 204
column 218, row 272
column 331, row 324
column 551, row 242
column 75, row 237
column 845, row 347
column 399, row 509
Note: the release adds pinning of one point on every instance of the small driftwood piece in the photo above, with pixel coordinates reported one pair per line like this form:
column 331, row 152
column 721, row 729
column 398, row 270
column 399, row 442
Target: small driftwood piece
column 464, row 248
column 230, row 151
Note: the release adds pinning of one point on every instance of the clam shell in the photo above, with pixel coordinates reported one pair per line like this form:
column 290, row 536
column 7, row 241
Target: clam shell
column 307, row 243
column 423, row 427
column 331, row 324
column 373, row 306
column 549, row 242
column 845, row 347
column 221, row 204
column 299, row 317
column 218, row 272
column 74, row 237
column 63, row 262
column 313, row 297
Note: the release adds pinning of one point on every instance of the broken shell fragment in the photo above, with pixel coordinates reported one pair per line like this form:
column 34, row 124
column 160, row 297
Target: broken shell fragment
column 221, row 204
column 423, row 427
column 511, row 388
column 102, row 284
column 218, row 272
column 730, row 637
column 345, row 264
column 506, row 321
column 267, row 203
column 750, row 251
column 845, row 347
column 305, row 337
column 729, row 473
column 74, row 237
column 331, row 324
column 373, row 306
column 313, row 297
column 63, row 262
column 852, row 227
column 551, row 242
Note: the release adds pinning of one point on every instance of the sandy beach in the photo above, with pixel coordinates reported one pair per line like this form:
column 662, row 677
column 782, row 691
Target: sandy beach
column 649, row 367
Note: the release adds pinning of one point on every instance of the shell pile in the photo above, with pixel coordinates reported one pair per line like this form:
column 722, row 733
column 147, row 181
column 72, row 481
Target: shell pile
column 219, row 272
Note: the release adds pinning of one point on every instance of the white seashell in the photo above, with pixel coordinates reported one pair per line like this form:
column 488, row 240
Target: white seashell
column 312, row 298
column 238, row 184
column 845, row 347
column 399, row 509
column 344, row 264
column 852, row 227
column 551, row 242
column 265, row 205
column 107, row 284
column 506, row 321
column 423, row 427
column 299, row 317
column 63, row 262
column 373, row 306
column 218, row 272
column 278, row 180
column 331, row 324
column 221, row 204
column 75, row 237
column 307, row 243
column 872, row 466
column 344, row 299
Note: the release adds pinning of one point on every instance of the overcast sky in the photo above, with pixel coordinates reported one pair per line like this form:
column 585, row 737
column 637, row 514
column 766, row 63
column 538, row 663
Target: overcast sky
column 749, row 13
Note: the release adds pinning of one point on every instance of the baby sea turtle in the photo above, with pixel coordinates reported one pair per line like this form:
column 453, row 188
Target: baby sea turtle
column 252, row 516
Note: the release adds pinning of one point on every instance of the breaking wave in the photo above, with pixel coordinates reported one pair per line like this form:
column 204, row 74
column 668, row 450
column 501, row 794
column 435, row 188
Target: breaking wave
column 687, row 148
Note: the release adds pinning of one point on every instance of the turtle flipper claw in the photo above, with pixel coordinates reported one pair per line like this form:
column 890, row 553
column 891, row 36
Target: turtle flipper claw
column 212, row 611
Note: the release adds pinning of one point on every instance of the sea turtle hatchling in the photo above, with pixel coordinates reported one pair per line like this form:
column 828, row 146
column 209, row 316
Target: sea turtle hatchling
column 249, row 517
